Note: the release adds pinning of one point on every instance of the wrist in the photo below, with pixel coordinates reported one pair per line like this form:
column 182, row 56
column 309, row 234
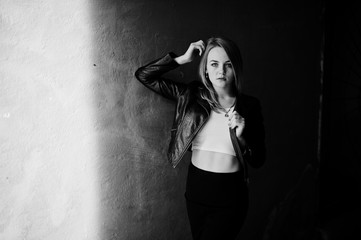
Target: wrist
column 181, row 60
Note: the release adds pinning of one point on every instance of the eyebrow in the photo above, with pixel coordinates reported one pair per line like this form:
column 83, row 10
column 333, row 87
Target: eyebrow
column 228, row 61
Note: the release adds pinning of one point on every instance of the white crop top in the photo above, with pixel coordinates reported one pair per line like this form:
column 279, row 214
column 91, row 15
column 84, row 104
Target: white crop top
column 214, row 136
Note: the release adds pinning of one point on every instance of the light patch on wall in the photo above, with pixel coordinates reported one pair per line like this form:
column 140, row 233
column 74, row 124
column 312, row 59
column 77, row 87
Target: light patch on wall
column 48, row 148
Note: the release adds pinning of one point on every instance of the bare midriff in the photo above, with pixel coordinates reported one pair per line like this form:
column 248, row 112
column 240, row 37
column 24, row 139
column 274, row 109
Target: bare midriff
column 215, row 161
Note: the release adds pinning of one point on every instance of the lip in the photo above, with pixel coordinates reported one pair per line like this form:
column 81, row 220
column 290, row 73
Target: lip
column 221, row 78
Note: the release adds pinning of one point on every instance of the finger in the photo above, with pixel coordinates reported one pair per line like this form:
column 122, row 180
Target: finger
column 200, row 46
column 200, row 50
column 236, row 121
column 243, row 120
column 236, row 115
column 233, row 115
column 200, row 42
column 230, row 116
column 193, row 47
column 231, row 125
column 236, row 126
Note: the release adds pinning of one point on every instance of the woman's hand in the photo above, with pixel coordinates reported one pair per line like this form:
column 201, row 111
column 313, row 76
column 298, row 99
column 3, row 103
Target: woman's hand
column 237, row 121
column 191, row 52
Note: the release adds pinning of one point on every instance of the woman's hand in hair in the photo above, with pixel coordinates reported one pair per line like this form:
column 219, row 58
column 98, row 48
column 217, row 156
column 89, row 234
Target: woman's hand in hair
column 189, row 55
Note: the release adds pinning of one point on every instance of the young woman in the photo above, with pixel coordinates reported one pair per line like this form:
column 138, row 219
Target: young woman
column 220, row 125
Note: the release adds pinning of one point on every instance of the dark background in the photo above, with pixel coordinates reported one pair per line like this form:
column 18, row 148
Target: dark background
column 340, row 171
column 294, row 62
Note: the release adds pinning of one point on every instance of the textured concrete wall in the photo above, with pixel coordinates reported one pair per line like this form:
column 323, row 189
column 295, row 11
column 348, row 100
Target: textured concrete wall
column 83, row 144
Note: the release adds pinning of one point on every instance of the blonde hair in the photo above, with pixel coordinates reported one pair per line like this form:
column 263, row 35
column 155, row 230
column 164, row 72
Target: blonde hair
column 237, row 65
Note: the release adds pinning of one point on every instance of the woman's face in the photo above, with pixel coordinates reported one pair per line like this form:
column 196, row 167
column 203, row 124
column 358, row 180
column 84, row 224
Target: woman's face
column 219, row 69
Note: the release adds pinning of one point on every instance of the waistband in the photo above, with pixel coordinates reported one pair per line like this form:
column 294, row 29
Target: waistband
column 215, row 189
column 192, row 167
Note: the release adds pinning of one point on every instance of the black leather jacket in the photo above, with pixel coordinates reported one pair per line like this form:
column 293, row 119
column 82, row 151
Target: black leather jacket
column 192, row 112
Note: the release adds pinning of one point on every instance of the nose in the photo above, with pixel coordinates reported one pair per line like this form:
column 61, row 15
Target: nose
column 222, row 69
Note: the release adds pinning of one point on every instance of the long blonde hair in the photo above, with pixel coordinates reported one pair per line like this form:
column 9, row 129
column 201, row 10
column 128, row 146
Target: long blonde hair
column 237, row 65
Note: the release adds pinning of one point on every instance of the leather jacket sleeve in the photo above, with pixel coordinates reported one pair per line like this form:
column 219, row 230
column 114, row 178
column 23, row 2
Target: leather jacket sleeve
column 151, row 76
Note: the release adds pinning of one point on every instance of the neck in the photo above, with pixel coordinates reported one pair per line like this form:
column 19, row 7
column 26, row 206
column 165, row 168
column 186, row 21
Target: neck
column 225, row 92
column 226, row 101
column 226, row 96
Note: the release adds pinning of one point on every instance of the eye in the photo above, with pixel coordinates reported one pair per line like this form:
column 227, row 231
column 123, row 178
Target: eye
column 229, row 65
column 214, row 64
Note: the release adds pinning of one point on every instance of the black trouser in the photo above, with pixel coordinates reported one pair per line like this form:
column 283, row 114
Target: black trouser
column 217, row 203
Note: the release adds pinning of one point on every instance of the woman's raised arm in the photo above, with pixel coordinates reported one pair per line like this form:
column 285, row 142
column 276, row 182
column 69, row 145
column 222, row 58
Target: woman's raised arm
column 151, row 75
column 191, row 52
